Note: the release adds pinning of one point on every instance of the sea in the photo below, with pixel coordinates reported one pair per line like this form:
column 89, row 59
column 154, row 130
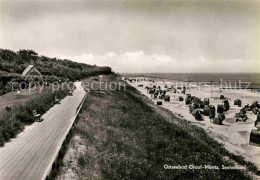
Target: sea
column 247, row 80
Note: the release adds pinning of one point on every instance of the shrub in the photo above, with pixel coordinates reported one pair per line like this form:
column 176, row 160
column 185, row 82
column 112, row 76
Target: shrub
column 9, row 128
column 22, row 115
column 48, row 66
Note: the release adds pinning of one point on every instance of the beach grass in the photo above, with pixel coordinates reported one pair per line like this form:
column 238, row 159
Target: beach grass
column 16, row 110
column 21, row 97
column 126, row 136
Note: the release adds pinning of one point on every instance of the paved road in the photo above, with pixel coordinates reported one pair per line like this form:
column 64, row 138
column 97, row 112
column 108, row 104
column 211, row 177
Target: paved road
column 30, row 155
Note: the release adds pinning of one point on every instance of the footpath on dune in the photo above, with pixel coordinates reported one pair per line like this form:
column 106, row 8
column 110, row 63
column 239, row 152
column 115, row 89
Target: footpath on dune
column 31, row 154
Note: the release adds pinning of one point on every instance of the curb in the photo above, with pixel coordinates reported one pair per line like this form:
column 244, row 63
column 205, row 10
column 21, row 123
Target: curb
column 49, row 167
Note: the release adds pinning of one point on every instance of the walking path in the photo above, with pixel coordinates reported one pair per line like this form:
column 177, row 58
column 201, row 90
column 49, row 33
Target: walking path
column 32, row 153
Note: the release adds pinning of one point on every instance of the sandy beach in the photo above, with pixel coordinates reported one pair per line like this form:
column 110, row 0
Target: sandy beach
column 234, row 135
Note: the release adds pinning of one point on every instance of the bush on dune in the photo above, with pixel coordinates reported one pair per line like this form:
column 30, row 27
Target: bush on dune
column 48, row 66
column 23, row 115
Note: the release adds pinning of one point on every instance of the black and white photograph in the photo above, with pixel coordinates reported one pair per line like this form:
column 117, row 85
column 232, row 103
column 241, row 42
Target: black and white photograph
column 129, row 89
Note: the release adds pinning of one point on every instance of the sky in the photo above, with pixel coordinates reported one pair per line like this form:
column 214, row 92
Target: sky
column 138, row 36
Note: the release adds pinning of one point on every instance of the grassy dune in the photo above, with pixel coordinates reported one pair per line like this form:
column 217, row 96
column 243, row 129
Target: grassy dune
column 20, row 98
column 123, row 135
column 16, row 109
column 16, row 62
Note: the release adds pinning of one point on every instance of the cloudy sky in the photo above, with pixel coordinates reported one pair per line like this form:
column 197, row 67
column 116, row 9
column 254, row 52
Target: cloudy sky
column 138, row 36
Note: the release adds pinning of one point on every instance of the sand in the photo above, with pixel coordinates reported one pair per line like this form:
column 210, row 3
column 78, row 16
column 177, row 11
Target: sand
column 234, row 135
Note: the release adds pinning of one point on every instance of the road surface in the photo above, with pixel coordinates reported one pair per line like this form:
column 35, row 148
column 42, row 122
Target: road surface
column 31, row 154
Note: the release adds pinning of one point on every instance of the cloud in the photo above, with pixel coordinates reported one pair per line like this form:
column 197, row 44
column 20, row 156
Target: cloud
column 183, row 30
column 139, row 62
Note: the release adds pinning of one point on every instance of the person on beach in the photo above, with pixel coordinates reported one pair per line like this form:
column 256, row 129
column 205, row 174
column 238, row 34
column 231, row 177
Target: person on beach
column 212, row 113
column 257, row 122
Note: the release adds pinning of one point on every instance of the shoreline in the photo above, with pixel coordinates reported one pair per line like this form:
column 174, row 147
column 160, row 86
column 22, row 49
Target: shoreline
column 128, row 132
column 134, row 135
column 252, row 86
column 234, row 136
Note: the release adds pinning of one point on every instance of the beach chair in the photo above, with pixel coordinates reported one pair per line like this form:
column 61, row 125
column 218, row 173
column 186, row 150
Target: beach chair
column 255, row 134
column 198, row 115
column 206, row 101
column 243, row 111
column 151, row 91
column 201, row 105
column 219, row 119
column 187, row 101
column 159, row 103
column 206, row 110
column 247, row 107
column 191, row 108
column 167, row 98
column 212, row 112
column 238, row 102
column 255, row 110
column 220, row 108
column 257, row 121
column 254, row 104
column 255, row 137
column 226, row 105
